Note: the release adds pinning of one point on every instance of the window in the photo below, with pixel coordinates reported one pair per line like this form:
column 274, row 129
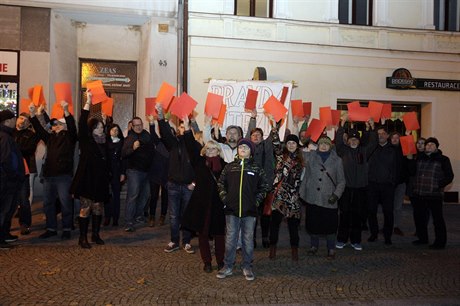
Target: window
column 447, row 15
column 256, row 8
column 357, row 12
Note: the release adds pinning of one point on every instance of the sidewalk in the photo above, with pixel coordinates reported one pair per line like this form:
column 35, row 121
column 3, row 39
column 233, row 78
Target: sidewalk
column 133, row 269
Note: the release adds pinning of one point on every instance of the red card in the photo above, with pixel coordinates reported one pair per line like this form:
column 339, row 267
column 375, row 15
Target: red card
column 359, row 114
column 275, row 108
column 284, row 94
column 183, row 106
column 251, row 99
column 315, row 129
column 297, row 108
column 24, row 105
column 165, row 95
column 325, row 115
column 375, row 109
column 107, row 107
column 386, row 111
column 150, row 107
column 408, row 145
column 306, row 108
column 63, row 92
column 221, row 118
column 213, row 105
column 57, row 111
column 30, row 92
column 97, row 90
column 410, row 121
column 37, row 95
column 336, row 114
column 354, row 104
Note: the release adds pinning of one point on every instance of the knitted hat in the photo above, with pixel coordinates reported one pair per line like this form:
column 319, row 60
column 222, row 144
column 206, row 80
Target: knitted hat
column 249, row 143
column 292, row 137
column 354, row 134
column 432, row 140
column 324, row 139
column 5, row 115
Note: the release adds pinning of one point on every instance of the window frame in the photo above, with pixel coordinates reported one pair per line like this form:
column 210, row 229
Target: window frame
column 252, row 8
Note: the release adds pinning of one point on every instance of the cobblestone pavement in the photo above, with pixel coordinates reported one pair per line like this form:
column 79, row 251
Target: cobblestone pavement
column 133, row 269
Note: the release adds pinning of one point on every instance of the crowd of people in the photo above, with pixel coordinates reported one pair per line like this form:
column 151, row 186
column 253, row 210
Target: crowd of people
column 219, row 188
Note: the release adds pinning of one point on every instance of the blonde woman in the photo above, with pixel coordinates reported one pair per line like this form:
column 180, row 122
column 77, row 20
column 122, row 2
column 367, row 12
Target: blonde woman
column 205, row 211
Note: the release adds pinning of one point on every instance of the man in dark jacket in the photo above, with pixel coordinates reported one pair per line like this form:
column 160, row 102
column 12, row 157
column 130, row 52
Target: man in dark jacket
column 138, row 151
column 242, row 188
column 382, row 180
column 58, row 169
column 433, row 172
column 12, row 175
column 27, row 141
column 180, row 182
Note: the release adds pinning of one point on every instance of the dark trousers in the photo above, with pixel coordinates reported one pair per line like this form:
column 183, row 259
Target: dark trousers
column 264, row 223
column 154, row 195
column 293, row 225
column 423, row 206
column 205, row 248
column 8, row 205
column 112, row 208
column 351, row 214
column 382, row 194
column 25, row 213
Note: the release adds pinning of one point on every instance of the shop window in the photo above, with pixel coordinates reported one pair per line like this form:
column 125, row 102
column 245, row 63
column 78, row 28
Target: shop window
column 255, row 8
column 447, row 15
column 393, row 124
column 358, row 12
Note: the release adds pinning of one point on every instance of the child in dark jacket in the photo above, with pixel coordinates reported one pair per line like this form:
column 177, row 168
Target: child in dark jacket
column 242, row 188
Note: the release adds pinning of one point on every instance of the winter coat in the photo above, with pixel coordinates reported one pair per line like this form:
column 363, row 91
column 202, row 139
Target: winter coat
column 242, row 187
column 60, row 148
column 180, row 170
column 432, row 173
column 158, row 172
column 92, row 178
column 27, row 141
column 205, row 197
column 383, row 164
column 317, row 187
column 289, row 170
column 11, row 163
column 141, row 158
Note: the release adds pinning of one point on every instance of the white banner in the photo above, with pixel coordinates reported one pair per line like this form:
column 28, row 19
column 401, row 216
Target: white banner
column 8, row 63
column 235, row 92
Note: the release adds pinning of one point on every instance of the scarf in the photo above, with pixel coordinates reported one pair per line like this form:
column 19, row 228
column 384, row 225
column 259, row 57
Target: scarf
column 115, row 139
column 99, row 139
column 324, row 155
column 214, row 164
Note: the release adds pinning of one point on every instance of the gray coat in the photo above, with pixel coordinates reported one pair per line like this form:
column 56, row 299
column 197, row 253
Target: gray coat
column 317, row 187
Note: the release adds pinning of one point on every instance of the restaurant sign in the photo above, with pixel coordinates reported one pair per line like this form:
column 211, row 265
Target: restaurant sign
column 114, row 75
column 402, row 79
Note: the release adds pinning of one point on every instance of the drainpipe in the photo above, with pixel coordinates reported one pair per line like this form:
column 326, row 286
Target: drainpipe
column 182, row 45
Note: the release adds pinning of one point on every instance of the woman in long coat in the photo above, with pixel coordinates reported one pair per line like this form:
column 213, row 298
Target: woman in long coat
column 322, row 186
column 205, row 211
column 92, row 179
column 286, row 204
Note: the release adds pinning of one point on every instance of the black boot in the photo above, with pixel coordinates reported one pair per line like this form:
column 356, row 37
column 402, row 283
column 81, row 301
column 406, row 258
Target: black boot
column 272, row 254
column 83, row 240
column 96, row 226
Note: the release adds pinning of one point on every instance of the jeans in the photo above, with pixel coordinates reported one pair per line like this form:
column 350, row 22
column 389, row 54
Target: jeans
column 154, row 195
column 137, row 183
column 25, row 214
column 58, row 186
column 178, row 198
column 234, row 225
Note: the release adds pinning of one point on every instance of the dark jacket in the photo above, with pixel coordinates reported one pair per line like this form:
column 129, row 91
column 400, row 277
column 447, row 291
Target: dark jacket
column 141, row 158
column 180, row 170
column 60, row 148
column 355, row 164
column 242, row 187
column 92, row 178
column 27, row 141
column 11, row 163
column 158, row 172
column 205, row 201
column 383, row 164
column 432, row 173
column 117, row 166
